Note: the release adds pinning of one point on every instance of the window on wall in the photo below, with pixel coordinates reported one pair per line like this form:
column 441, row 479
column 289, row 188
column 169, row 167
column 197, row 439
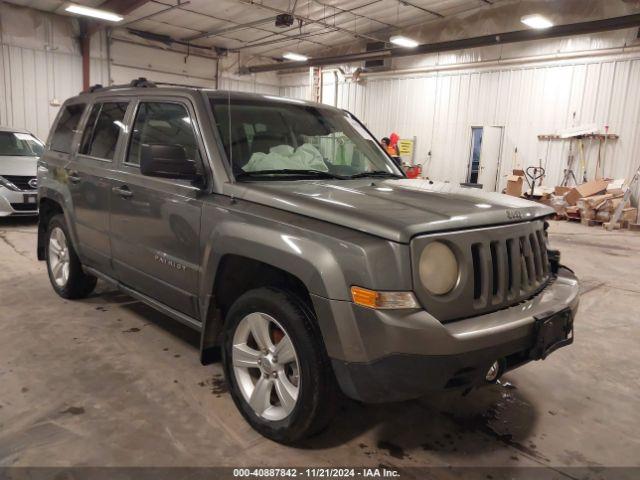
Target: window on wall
column 65, row 129
column 476, row 148
column 162, row 124
column 103, row 129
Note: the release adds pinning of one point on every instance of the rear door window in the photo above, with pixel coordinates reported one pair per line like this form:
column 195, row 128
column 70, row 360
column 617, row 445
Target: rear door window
column 103, row 129
column 162, row 124
column 62, row 138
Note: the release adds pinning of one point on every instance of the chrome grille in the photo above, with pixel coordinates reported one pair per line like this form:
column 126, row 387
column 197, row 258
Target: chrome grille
column 499, row 267
column 20, row 181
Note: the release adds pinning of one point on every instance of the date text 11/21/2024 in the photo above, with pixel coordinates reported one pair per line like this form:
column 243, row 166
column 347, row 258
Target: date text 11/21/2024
column 380, row 472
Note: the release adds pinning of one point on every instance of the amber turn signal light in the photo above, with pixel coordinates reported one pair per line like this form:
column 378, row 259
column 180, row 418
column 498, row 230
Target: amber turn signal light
column 383, row 300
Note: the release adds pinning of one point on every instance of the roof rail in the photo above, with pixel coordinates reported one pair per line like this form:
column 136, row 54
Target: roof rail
column 182, row 85
column 140, row 82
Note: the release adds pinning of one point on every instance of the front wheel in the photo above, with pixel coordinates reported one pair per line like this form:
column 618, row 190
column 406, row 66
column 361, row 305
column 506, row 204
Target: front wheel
column 276, row 365
column 63, row 265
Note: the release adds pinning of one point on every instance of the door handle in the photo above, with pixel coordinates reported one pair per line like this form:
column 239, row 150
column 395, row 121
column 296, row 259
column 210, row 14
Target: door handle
column 123, row 191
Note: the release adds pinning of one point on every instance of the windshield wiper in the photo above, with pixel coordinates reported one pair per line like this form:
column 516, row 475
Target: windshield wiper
column 292, row 172
column 375, row 173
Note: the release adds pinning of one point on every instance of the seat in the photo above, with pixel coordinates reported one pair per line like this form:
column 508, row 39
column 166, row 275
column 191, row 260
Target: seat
column 263, row 142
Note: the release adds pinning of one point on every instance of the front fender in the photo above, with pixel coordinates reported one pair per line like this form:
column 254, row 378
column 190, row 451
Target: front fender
column 328, row 259
column 310, row 261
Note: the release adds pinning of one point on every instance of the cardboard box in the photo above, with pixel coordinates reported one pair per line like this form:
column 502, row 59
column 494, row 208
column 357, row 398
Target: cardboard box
column 586, row 190
column 514, row 185
column 603, row 216
column 595, row 201
column 616, row 187
column 629, row 215
column 561, row 191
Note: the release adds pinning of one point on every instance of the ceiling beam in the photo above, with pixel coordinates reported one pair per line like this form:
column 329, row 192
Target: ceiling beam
column 304, row 37
column 122, row 7
column 352, row 10
column 582, row 28
column 431, row 12
column 289, row 38
column 155, row 14
column 310, row 20
column 219, row 31
column 213, row 17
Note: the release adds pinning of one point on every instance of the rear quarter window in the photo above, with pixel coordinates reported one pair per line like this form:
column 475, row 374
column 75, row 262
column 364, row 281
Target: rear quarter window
column 62, row 138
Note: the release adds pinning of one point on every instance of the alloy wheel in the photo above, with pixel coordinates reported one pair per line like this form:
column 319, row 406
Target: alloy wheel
column 59, row 257
column 266, row 367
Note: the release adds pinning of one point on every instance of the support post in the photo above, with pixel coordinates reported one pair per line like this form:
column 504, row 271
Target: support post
column 85, row 50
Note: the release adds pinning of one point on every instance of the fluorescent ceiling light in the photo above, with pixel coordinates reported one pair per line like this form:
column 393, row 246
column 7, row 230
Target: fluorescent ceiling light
column 536, row 21
column 403, row 41
column 94, row 12
column 296, row 57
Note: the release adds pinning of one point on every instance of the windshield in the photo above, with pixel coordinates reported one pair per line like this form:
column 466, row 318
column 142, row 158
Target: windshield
column 289, row 139
column 14, row 144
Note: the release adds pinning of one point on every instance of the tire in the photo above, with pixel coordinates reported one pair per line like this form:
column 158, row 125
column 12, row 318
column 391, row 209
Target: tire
column 287, row 316
column 63, row 265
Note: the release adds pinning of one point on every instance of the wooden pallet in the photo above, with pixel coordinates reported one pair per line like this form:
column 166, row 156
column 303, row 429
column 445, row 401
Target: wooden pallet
column 589, row 223
column 618, row 226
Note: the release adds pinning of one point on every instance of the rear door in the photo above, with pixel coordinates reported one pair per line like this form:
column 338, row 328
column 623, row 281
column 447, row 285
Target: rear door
column 155, row 222
column 91, row 176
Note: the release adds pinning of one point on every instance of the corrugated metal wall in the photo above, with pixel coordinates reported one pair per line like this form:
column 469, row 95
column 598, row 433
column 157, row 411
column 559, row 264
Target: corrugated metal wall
column 32, row 80
column 40, row 63
column 440, row 109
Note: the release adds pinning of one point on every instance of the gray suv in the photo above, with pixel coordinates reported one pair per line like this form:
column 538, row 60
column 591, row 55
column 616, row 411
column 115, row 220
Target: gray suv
column 283, row 233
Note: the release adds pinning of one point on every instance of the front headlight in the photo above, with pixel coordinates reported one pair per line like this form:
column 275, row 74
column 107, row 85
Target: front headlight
column 438, row 268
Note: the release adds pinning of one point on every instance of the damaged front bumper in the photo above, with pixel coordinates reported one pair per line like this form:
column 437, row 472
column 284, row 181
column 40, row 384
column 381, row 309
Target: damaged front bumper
column 386, row 355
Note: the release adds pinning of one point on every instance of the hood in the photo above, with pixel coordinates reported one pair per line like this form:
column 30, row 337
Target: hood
column 395, row 209
column 23, row 166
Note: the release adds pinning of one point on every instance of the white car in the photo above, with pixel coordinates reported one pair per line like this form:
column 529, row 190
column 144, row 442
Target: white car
column 19, row 153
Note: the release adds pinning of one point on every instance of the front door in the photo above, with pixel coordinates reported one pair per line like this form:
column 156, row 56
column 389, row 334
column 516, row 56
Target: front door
column 155, row 222
column 490, row 158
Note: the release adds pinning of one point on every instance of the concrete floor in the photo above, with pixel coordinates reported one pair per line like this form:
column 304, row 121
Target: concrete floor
column 109, row 382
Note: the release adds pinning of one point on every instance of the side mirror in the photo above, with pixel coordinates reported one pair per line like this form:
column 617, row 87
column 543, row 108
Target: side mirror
column 168, row 161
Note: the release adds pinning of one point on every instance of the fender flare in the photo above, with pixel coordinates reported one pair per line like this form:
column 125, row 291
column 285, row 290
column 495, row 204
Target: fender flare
column 311, row 262
column 45, row 193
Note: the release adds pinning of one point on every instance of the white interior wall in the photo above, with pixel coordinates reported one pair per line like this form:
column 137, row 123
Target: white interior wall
column 183, row 68
column 41, row 66
column 529, row 88
column 440, row 108
column 436, row 98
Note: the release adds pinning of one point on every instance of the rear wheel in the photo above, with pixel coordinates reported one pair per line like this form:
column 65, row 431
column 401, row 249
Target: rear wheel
column 276, row 365
column 64, row 268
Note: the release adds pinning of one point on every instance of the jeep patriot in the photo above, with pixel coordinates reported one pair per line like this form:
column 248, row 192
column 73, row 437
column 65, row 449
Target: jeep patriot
column 282, row 232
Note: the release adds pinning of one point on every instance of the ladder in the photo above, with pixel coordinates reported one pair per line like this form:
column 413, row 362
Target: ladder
column 315, row 81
